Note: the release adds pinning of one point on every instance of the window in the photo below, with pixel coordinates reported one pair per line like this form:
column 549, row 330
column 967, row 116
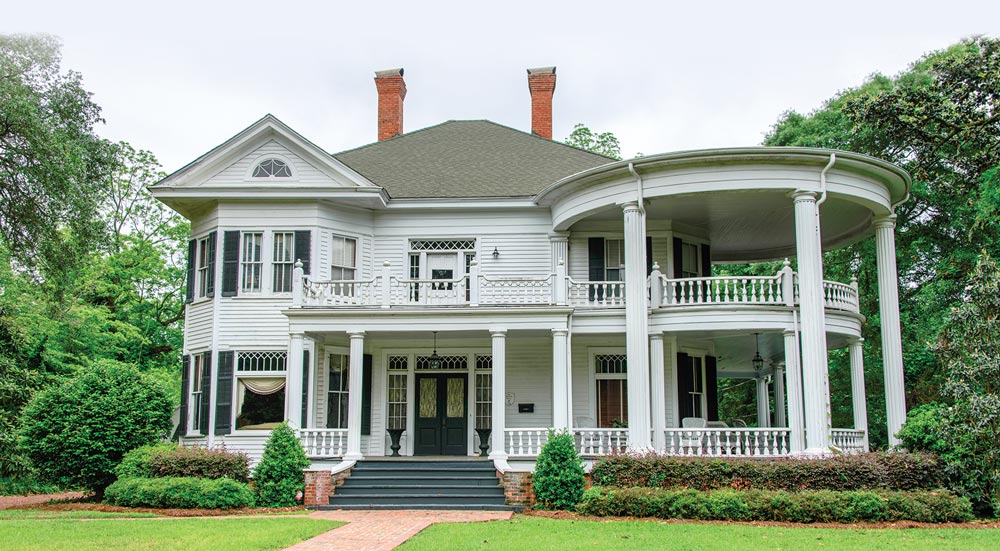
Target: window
column 283, row 261
column 690, row 266
column 484, row 392
column 343, row 260
column 610, row 372
column 398, row 366
column 272, row 168
column 614, row 259
column 440, row 259
column 260, row 387
column 251, row 262
column 696, row 396
column 197, row 373
column 206, row 253
column 337, row 395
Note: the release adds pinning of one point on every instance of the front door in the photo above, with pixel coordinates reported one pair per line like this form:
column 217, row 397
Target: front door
column 441, row 420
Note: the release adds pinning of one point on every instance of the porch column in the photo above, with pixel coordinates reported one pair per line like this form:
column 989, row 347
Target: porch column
column 636, row 343
column 560, row 248
column 815, row 368
column 560, row 380
column 779, row 395
column 763, row 404
column 674, row 390
column 354, row 391
column 293, row 384
column 498, row 450
column 793, row 380
column 658, row 399
column 892, row 344
column 858, row 395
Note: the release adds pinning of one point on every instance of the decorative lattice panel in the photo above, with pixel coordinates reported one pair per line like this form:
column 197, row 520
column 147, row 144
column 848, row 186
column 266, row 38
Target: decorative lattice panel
column 484, row 362
column 607, row 364
column 399, row 363
column 447, row 362
column 443, row 245
column 256, row 361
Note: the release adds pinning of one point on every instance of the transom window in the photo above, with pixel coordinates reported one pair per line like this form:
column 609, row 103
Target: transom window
column 337, row 395
column 443, row 244
column 261, row 361
column 423, row 363
column 251, row 262
column 343, row 258
column 272, row 168
column 614, row 259
column 610, row 372
column 283, row 261
column 260, row 388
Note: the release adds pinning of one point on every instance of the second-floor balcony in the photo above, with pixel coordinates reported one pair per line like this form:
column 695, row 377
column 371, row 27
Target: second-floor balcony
column 388, row 290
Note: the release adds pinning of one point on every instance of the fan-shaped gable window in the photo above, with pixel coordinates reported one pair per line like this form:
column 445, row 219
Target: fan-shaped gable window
column 272, row 168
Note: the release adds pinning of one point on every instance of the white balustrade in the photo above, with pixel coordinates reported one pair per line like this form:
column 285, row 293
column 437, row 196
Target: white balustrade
column 722, row 290
column 599, row 442
column 514, row 290
column 323, row 443
column 840, row 296
column 603, row 294
column 354, row 292
column 525, row 442
column 727, row 442
column 429, row 292
column 848, row 440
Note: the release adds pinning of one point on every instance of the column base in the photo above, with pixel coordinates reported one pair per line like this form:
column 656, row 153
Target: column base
column 353, row 457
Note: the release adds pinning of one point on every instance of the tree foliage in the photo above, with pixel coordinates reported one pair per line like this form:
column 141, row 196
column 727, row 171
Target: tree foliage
column 77, row 432
column 604, row 143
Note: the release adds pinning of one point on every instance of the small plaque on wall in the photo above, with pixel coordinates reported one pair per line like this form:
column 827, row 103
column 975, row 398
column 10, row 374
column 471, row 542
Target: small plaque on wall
column 526, row 408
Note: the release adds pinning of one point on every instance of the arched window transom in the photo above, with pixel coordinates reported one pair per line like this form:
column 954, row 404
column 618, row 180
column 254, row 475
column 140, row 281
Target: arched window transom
column 272, row 168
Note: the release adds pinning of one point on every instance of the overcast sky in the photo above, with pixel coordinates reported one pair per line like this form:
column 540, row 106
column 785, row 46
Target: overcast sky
column 179, row 77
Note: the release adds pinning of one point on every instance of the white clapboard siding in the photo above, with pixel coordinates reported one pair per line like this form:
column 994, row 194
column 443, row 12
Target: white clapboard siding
column 269, row 216
column 253, row 322
column 302, row 172
column 198, row 325
column 205, row 222
column 529, row 378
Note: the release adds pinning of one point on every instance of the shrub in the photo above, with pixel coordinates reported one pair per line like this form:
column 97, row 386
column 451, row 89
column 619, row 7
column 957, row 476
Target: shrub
column 200, row 463
column 279, row 477
column 778, row 505
column 924, row 429
column 25, row 485
column 135, row 464
column 77, row 432
column 180, row 493
column 558, row 479
column 888, row 471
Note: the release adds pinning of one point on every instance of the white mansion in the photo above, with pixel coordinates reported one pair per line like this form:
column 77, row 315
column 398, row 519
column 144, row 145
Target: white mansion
column 465, row 288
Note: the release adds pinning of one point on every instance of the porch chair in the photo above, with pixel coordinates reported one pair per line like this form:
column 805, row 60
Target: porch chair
column 692, row 445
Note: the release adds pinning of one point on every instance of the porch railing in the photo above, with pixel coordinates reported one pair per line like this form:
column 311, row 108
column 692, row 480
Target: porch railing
column 727, row 442
column 323, row 443
column 475, row 289
column 849, row 440
column 525, row 442
column 590, row 442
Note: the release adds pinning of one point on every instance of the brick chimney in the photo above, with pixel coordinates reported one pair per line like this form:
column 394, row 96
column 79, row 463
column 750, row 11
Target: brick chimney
column 391, row 91
column 542, row 84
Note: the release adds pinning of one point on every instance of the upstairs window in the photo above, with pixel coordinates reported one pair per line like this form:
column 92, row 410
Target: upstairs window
column 614, row 259
column 272, row 168
column 344, row 258
column 251, row 262
column 690, row 263
column 283, row 261
column 206, row 257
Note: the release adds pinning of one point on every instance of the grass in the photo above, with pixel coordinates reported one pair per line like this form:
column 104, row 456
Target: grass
column 65, row 532
column 540, row 534
column 37, row 514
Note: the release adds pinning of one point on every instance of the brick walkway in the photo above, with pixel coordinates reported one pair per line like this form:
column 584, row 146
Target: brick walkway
column 384, row 530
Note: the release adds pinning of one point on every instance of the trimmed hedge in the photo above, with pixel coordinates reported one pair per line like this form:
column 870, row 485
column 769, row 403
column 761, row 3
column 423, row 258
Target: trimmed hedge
column 135, row 464
column 200, row 463
column 180, row 493
column 873, row 471
column 765, row 505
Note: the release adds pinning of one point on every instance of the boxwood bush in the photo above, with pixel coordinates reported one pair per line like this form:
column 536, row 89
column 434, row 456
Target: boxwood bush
column 200, row 462
column 278, row 478
column 778, row 505
column 558, row 479
column 180, row 493
column 873, row 471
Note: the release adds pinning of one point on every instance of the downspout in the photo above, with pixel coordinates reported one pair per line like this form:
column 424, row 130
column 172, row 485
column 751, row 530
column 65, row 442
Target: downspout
column 822, row 180
column 638, row 183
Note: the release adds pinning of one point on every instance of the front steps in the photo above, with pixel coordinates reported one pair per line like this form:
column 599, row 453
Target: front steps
column 415, row 484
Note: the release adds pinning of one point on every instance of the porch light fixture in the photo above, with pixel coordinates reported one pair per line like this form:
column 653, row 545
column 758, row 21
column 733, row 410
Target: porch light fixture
column 496, row 253
column 435, row 361
column 757, row 361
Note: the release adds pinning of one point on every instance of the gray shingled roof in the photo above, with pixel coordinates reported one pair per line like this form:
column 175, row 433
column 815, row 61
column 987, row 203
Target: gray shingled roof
column 468, row 159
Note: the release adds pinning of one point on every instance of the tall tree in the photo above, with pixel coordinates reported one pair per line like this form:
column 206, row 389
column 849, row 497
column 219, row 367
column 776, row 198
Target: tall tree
column 604, row 143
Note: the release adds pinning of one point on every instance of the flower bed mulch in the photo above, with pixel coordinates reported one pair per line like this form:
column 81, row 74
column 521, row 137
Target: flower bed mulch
column 85, row 506
column 569, row 515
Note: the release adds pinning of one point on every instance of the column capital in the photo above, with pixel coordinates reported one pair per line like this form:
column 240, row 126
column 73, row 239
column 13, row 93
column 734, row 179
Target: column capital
column 297, row 335
column 657, row 336
column 498, row 332
column 788, row 333
column 855, row 341
column 560, row 332
column 630, row 206
column 359, row 334
column 884, row 221
column 559, row 236
column 804, row 195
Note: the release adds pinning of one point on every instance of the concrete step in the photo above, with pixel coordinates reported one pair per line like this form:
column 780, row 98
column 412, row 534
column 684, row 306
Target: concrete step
column 422, row 506
column 358, row 478
column 376, row 489
column 441, row 500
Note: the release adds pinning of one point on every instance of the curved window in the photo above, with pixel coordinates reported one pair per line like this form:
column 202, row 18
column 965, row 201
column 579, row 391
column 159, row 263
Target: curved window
column 272, row 168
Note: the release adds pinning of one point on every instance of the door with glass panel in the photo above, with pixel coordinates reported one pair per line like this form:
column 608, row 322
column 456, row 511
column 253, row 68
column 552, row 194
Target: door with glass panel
column 442, row 267
column 441, row 425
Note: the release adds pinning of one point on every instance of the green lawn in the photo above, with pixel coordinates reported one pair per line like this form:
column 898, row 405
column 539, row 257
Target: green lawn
column 63, row 532
column 540, row 534
column 29, row 514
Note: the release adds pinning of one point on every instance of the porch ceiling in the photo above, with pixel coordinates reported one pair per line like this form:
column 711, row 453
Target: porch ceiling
column 749, row 225
column 735, row 350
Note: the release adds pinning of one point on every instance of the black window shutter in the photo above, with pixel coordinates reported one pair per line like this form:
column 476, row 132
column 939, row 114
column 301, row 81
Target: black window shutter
column 224, row 393
column 192, row 258
column 366, row 395
column 685, row 384
column 678, row 258
column 712, row 388
column 230, row 263
column 185, row 392
column 649, row 255
column 206, row 388
column 303, row 249
column 305, row 387
column 595, row 248
column 210, row 286
column 706, row 261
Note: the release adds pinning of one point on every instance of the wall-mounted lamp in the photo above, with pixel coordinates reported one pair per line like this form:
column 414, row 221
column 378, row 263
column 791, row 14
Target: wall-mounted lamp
column 496, row 253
